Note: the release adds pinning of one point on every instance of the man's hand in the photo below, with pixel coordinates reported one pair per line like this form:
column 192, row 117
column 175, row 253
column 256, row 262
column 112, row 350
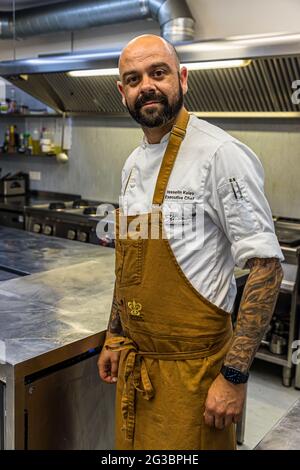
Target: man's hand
column 108, row 364
column 224, row 403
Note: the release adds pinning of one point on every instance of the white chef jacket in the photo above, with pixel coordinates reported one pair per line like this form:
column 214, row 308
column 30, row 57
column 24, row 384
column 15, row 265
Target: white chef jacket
column 215, row 188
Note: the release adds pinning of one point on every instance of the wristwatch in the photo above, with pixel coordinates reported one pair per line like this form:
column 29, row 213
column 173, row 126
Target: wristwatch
column 234, row 375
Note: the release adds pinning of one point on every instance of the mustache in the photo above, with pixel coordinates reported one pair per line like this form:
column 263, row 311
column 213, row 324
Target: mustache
column 148, row 97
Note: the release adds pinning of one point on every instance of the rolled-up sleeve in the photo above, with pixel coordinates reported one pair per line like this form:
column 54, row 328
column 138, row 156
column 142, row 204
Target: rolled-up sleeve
column 236, row 181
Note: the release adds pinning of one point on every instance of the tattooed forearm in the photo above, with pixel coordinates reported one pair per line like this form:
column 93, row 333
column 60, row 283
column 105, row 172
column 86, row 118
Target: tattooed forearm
column 114, row 324
column 255, row 312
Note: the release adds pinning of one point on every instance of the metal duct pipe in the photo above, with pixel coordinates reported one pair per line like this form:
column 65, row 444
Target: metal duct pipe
column 174, row 17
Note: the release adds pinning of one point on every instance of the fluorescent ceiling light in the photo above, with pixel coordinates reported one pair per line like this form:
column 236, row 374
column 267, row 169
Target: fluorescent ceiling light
column 94, row 73
column 218, row 64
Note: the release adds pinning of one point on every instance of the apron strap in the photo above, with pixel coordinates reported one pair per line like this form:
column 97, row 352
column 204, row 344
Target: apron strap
column 177, row 135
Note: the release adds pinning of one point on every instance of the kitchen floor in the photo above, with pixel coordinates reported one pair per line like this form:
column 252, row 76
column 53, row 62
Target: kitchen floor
column 268, row 400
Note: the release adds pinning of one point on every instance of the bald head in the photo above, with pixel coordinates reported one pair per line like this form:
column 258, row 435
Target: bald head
column 147, row 45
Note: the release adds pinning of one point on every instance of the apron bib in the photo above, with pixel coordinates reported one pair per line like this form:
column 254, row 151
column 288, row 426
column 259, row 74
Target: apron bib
column 175, row 339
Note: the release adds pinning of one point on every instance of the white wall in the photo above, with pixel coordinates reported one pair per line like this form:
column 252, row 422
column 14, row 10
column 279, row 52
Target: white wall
column 214, row 19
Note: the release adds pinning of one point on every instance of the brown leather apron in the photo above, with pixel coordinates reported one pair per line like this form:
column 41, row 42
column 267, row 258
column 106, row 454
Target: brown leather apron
column 175, row 340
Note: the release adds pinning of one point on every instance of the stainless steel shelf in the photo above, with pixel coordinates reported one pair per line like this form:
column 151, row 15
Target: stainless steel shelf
column 266, row 355
column 7, row 156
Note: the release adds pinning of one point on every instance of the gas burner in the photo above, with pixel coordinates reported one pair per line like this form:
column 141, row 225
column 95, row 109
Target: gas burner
column 54, row 206
column 91, row 210
column 80, row 203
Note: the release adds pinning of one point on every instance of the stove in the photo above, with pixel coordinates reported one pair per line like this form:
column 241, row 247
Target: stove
column 12, row 208
column 78, row 219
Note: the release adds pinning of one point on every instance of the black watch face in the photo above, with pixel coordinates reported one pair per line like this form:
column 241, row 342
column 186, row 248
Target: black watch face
column 233, row 374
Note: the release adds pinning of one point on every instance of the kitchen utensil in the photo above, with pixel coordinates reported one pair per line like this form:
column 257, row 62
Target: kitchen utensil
column 277, row 344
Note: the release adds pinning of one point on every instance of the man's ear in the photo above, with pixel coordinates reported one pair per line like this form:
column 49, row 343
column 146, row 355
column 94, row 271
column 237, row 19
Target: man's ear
column 121, row 90
column 184, row 79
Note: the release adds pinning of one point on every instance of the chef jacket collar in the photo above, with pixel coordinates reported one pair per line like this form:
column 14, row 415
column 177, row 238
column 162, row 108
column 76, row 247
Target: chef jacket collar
column 145, row 142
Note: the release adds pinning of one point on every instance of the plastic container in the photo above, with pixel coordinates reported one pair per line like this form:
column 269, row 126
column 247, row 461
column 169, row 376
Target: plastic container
column 46, row 141
column 3, row 107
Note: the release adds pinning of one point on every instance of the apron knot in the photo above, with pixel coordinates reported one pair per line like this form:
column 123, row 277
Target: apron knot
column 136, row 379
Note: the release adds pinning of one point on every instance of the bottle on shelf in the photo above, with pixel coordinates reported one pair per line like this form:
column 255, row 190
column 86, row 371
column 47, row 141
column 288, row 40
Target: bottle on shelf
column 12, row 141
column 17, row 138
column 45, row 141
column 12, row 103
column 36, row 148
column 6, row 141
column 29, row 145
column 21, row 146
column 25, row 140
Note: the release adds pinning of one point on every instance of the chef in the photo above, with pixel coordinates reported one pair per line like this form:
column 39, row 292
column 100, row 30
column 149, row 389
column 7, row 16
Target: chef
column 192, row 207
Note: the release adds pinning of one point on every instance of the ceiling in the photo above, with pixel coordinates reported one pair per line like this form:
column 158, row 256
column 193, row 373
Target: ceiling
column 7, row 5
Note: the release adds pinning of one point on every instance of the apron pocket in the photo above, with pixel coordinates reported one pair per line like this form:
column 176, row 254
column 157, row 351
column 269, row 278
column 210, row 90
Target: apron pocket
column 129, row 255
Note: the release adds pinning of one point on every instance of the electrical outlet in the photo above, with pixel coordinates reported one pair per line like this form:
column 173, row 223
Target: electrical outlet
column 35, row 175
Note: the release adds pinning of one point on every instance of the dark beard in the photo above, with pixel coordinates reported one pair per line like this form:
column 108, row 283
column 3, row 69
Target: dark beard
column 154, row 117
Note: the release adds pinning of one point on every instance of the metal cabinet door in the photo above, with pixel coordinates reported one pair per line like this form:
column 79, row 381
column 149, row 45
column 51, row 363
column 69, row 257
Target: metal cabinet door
column 70, row 408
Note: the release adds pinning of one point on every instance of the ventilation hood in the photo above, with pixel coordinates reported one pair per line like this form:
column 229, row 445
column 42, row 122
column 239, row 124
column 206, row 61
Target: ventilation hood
column 264, row 88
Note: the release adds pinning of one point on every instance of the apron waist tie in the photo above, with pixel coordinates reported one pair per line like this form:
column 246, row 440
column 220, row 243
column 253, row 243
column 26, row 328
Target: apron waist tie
column 136, row 377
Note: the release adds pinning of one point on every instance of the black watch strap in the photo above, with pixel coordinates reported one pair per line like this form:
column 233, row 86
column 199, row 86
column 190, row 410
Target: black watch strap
column 234, row 375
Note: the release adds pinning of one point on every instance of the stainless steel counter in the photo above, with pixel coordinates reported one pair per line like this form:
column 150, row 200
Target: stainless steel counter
column 32, row 253
column 50, row 310
column 285, row 435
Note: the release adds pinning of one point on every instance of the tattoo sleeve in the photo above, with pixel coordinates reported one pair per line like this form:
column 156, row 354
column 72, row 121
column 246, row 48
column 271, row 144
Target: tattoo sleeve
column 255, row 312
column 114, row 324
